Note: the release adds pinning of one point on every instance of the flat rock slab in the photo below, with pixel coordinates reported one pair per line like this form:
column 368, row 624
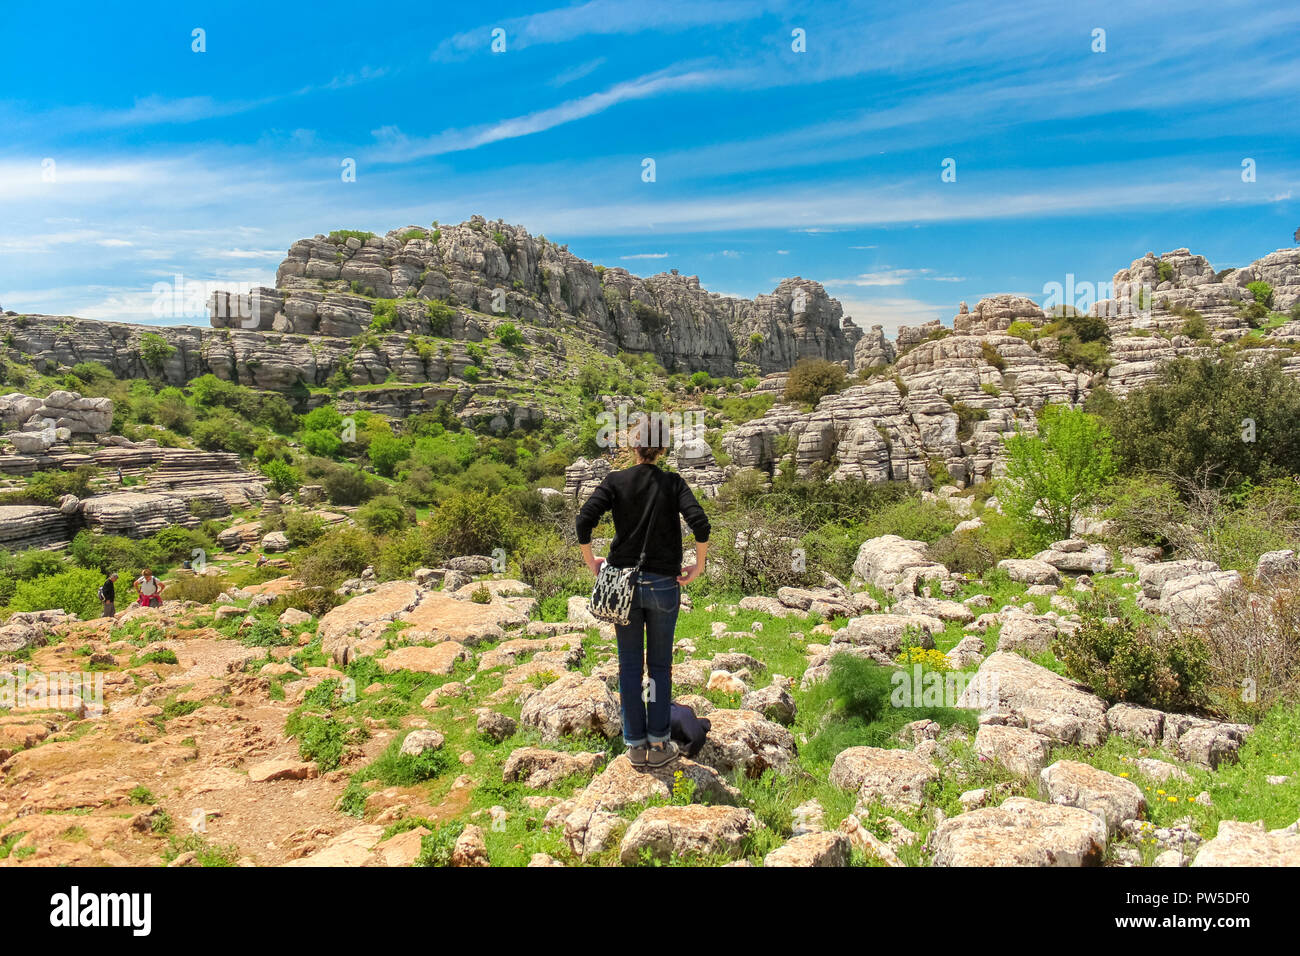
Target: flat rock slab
column 892, row 776
column 365, row 617
column 538, row 768
column 351, row 848
column 696, row 829
column 442, row 617
column 438, row 659
column 270, row 770
column 812, row 849
column 1063, row 710
column 1074, row 784
column 572, row 705
column 1018, row 749
column 1246, row 844
column 746, row 740
column 1020, row 832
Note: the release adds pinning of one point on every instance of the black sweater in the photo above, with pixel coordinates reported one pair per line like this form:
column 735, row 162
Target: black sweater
column 628, row 493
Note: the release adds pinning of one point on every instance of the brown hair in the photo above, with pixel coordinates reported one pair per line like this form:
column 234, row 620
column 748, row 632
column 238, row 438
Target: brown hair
column 649, row 439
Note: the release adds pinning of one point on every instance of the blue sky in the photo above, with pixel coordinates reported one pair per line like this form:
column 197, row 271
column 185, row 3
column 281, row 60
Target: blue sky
column 768, row 162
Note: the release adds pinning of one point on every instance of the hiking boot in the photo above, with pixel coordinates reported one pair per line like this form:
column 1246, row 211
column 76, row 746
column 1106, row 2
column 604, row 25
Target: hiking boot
column 662, row 756
column 638, row 755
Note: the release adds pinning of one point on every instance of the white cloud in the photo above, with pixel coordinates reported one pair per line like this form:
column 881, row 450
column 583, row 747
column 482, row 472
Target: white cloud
column 888, row 277
column 890, row 313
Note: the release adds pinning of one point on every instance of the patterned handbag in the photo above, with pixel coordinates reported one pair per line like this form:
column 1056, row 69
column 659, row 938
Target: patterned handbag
column 611, row 598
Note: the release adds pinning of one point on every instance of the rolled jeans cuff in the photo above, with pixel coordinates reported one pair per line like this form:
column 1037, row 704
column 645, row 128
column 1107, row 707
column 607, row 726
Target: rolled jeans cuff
column 659, row 740
column 634, row 743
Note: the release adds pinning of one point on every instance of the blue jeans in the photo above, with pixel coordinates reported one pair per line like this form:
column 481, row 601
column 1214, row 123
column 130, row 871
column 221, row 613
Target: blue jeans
column 647, row 639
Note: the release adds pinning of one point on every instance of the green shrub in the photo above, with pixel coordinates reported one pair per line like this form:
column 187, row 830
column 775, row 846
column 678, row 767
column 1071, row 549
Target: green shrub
column 266, row 632
column 1136, row 664
column 155, row 350
column 284, row 478
column 436, row 847
column 1262, row 292
column 384, row 514
column 302, row 527
column 339, row 236
column 472, row 522
column 201, row 588
column 992, row 356
column 812, row 379
column 913, row 519
column 1224, row 417
column 509, row 335
column 74, row 591
column 349, row 486
column 339, row 554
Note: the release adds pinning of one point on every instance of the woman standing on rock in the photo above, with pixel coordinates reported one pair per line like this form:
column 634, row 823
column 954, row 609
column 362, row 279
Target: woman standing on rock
column 646, row 502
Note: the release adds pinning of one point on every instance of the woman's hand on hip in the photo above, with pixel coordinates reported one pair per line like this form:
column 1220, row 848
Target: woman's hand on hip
column 689, row 574
column 596, row 564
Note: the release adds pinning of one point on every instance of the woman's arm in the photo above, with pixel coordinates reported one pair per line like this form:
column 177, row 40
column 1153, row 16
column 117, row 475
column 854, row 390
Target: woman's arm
column 593, row 562
column 699, row 524
column 693, row 571
column 601, row 500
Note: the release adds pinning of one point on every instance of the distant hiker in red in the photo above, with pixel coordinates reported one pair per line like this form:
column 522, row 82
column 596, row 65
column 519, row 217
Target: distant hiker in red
column 149, row 588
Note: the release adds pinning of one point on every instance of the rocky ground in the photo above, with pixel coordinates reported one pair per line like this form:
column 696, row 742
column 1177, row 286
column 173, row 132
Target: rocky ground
column 439, row 721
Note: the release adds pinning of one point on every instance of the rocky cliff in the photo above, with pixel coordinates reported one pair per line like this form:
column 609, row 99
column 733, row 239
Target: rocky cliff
column 328, row 286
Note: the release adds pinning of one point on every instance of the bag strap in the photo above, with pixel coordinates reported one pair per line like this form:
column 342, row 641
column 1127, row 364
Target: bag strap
column 652, row 510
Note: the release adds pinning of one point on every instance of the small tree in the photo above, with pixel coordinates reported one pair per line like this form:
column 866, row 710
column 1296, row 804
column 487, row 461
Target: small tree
column 812, row 379
column 1053, row 476
column 155, row 350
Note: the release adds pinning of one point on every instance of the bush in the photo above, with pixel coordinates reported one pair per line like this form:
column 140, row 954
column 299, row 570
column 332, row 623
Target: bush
column 913, row 519
column 472, row 522
column 1135, row 663
column 155, row 350
column 436, row 847
column 302, row 527
column 348, row 486
column 316, row 601
column 47, row 487
column 963, row 552
column 1226, row 417
column 1088, row 328
column 200, row 588
column 74, row 591
column 553, row 567
column 284, row 478
column 509, row 335
column 812, row 379
column 340, row 554
column 1253, row 642
column 1262, row 292
column 384, row 514
column 105, row 553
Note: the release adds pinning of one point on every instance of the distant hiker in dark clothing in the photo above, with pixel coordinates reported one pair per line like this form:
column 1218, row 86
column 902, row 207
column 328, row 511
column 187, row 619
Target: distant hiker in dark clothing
column 108, row 594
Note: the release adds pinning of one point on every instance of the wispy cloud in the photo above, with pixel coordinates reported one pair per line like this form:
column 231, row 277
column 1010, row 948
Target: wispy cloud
column 597, row 18
column 890, row 277
column 396, row 146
